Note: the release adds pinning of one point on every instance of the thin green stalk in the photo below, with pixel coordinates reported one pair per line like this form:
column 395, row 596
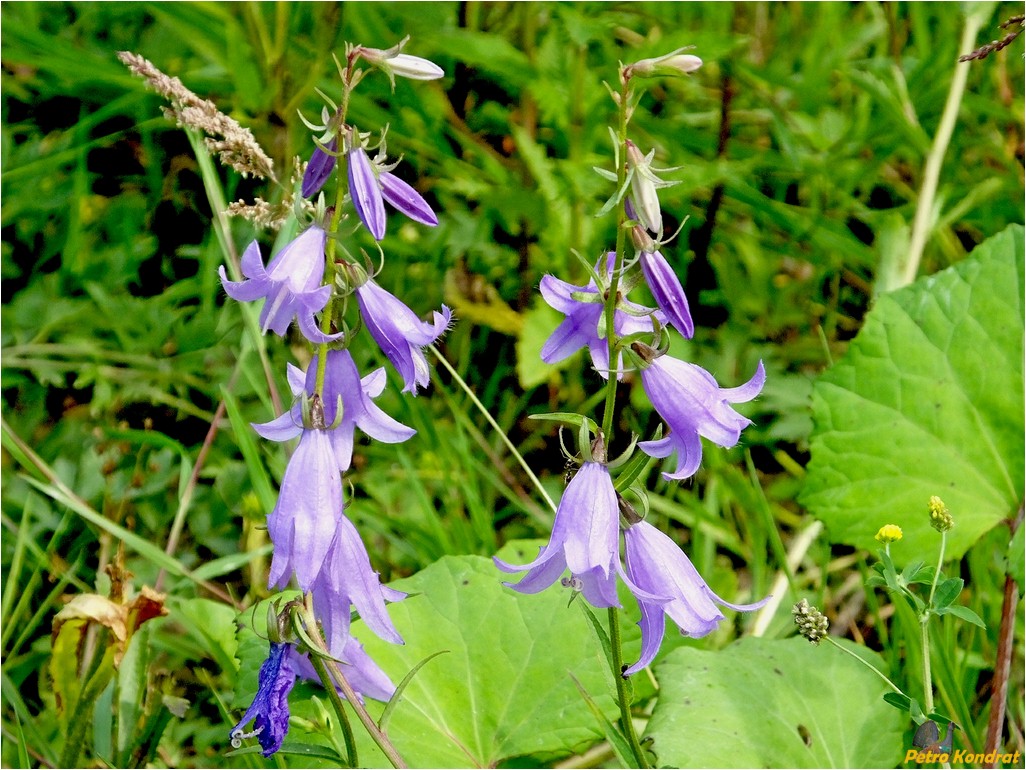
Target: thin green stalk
column 338, row 678
column 924, row 628
column 495, row 426
column 865, row 663
column 621, row 691
column 336, row 703
column 931, row 170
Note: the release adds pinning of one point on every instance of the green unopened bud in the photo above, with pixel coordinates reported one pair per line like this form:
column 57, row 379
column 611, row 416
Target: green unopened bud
column 889, row 533
column 642, row 240
column 812, row 624
column 940, row 517
column 673, row 64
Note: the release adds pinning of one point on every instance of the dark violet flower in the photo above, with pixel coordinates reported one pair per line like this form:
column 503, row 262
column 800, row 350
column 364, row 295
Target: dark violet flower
column 400, row 333
column 370, row 190
column 668, row 293
column 291, row 285
column 319, row 169
column 688, row 398
column 270, row 707
column 341, row 380
column 584, row 538
column 584, row 325
column 366, row 193
column 303, row 523
column 348, row 580
column 663, row 580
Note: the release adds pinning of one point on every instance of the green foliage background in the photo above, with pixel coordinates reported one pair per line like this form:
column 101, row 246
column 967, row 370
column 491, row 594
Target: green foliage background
column 801, row 144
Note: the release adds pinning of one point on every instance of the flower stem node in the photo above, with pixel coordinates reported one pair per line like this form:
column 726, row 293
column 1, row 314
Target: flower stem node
column 940, row 517
column 393, row 62
column 889, row 533
column 812, row 624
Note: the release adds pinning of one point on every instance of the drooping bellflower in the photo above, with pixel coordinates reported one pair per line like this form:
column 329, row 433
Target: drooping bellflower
column 359, row 669
column 584, row 325
column 290, row 284
column 664, row 581
column 585, row 539
column 400, row 333
column 303, row 523
column 270, row 707
column 692, row 404
column 341, row 381
column 370, row 190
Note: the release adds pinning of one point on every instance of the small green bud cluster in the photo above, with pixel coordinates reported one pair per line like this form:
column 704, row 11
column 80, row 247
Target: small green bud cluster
column 812, row 624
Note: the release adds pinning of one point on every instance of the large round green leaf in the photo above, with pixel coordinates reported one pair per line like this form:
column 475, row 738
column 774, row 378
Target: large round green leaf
column 773, row 703
column 504, row 687
column 927, row 401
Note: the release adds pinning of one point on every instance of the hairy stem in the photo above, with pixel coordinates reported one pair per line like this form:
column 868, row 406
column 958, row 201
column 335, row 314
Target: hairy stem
column 621, row 691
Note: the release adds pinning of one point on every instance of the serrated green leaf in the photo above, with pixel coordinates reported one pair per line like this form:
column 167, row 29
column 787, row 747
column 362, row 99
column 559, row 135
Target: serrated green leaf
column 778, row 701
column 511, row 657
column 927, row 401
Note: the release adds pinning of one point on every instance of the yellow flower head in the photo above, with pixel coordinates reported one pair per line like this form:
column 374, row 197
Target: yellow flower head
column 889, row 533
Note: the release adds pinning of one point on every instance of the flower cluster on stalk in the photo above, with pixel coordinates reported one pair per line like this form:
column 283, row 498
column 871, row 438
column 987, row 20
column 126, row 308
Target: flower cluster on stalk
column 592, row 515
column 310, row 283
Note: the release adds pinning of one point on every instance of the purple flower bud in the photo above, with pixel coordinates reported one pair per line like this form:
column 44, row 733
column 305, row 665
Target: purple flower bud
column 400, row 333
column 270, row 707
column 319, row 169
column 392, row 62
column 404, row 198
column 291, row 284
column 366, row 193
column 664, row 580
column 668, row 292
column 688, row 398
column 585, row 538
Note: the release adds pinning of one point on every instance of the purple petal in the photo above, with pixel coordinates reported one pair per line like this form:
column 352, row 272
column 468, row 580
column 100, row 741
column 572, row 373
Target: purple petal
column 366, row 193
column 404, row 198
column 668, row 292
column 283, row 428
column 309, row 506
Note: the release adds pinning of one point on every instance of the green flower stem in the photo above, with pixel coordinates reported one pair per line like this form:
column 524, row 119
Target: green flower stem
column 341, row 188
column 614, row 282
column 340, row 711
column 336, row 677
column 924, row 628
column 621, row 691
column 867, row 664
